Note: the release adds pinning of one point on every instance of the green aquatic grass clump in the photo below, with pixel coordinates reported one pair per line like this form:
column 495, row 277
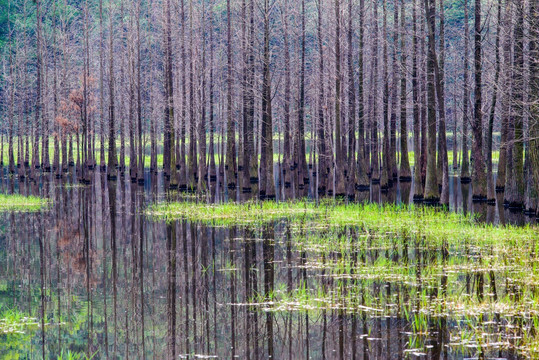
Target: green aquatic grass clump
column 15, row 322
column 434, row 224
column 231, row 213
column 16, row 202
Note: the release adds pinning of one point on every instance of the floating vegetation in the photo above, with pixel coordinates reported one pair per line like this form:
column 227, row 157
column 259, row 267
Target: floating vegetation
column 18, row 202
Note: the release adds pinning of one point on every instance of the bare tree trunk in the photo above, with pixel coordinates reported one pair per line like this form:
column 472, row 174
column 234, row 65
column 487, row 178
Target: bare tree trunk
column 340, row 190
column 362, row 177
column 113, row 160
column 440, row 95
column 534, row 101
column 405, row 172
column 323, row 162
column 465, row 167
column 101, row 88
column 303, row 172
column 491, row 193
column 212, row 172
column 267, row 187
column 192, row 119
column 287, row 162
column 230, row 166
column 169, row 161
column 505, row 98
column 393, row 171
column 432, row 194
column 479, row 174
column 140, row 171
column 12, row 85
column 351, row 181
column 386, row 180
column 180, row 150
column 39, row 98
column 202, row 170
column 418, row 181
column 375, row 164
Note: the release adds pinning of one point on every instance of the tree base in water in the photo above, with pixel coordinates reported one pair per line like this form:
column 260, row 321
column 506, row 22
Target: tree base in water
column 479, row 198
column 405, row 179
column 431, row 201
column 514, row 206
column 362, row 188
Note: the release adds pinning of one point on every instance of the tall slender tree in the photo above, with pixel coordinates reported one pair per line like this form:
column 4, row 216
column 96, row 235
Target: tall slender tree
column 405, row 171
column 432, row 193
column 267, row 186
column 230, row 166
column 479, row 173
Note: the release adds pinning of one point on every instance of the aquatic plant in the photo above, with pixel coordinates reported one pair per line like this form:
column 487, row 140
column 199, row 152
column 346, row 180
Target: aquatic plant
column 16, row 202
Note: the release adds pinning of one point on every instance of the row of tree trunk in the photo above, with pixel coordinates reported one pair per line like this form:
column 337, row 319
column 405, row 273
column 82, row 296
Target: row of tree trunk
column 277, row 97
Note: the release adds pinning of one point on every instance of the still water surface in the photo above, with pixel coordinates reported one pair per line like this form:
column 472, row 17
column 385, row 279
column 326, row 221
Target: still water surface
column 104, row 279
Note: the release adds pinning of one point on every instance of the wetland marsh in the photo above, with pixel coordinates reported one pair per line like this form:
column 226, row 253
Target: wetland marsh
column 117, row 270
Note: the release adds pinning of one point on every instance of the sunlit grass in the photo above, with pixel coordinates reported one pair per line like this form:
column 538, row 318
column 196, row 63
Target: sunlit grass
column 16, row 322
column 18, row 202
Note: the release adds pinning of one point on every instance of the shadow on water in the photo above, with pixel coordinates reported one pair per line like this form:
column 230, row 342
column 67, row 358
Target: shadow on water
column 104, row 279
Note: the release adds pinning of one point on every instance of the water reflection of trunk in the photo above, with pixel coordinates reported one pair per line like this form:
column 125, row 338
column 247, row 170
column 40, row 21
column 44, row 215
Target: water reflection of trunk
column 194, row 262
column 185, row 298
column 141, row 274
column 304, row 284
column 125, row 286
column 269, row 281
column 465, row 189
column 363, row 259
column 232, row 276
column 440, row 328
column 289, row 286
column 57, row 219
column 405, row 190
column 206, row 288
column 248, row 242
column 42, row 281
column 214, row 288
column 112, row 208
column 171, row 289
column 105, row 269
column 84, row 195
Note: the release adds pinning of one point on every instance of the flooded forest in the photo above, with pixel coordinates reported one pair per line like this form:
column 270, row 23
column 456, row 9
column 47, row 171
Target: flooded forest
column 269, row 179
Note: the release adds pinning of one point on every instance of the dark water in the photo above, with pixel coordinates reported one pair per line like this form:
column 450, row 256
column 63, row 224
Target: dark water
column 105, row 279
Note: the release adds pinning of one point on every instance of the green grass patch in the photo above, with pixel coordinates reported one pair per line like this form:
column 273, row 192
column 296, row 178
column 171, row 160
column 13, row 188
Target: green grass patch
column 18, row 202
column 16, row 322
